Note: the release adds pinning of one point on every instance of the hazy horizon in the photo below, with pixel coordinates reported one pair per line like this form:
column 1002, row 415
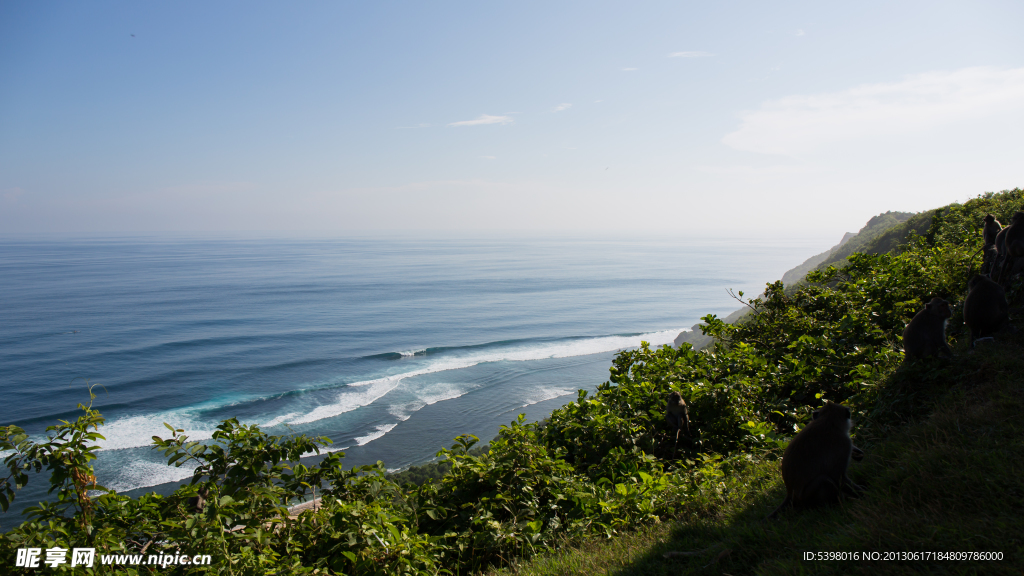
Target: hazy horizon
column 798, row 119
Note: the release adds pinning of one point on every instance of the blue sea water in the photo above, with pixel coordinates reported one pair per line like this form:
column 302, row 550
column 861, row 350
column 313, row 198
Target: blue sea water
column 391, row 347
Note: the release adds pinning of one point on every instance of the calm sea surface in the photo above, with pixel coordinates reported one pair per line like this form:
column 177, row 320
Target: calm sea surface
column 390, row 347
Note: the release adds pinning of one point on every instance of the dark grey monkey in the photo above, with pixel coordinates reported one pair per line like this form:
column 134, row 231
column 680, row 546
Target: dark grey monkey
column 814, row 464
column 926, row 333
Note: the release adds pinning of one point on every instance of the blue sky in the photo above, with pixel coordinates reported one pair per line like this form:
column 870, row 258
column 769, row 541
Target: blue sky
column 578, row 117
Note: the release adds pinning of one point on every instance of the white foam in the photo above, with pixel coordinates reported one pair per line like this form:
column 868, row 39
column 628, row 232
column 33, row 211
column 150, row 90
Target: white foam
column 408, row 353
column 440, row 392
column 143, row 474
column 427, row 395
column 280, row 420
column 381, row 430
column 324, row 450
column 404, row 411
column 544, row 394
column 349, row 399
column 138, row 431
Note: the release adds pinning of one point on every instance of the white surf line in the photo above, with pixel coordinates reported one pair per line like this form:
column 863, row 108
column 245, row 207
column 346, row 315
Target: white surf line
column 135, row 431
column 378, row 433
column 377, row 388
column 143, row 474
column 546, row 394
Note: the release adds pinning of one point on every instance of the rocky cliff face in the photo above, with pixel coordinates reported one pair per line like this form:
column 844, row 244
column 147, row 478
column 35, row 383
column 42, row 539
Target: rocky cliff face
column 699, row 341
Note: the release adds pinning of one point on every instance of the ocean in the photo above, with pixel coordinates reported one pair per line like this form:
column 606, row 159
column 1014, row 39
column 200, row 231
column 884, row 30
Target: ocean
column 389, row 346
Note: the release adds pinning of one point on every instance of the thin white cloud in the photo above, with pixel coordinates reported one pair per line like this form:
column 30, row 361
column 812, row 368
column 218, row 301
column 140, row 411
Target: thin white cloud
column 800, row 32
column 799, row 124
column 489, row 157
column 484, row 119
column 562, row 106
column 690, row 54
column 629, row 69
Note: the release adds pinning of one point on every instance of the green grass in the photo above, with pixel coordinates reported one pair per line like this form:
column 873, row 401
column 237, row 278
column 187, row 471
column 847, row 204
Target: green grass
column 950, row 479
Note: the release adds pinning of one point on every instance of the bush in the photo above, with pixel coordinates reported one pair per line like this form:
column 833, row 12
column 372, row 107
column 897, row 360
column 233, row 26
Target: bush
column 600, row 464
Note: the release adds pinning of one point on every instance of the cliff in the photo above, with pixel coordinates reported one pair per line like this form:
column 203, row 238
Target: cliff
column 874, row 237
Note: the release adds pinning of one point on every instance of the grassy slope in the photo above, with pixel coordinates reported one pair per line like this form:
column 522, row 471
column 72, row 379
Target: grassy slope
column 947, row 481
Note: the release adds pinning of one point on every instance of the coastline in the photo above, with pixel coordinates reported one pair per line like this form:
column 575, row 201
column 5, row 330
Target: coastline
column 699, row 341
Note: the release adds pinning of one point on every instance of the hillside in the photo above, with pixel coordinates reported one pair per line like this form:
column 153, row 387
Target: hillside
column 796, row 274
column 947, row 481
column 605, row 479
column 943, row 465
column 881, row 234
column 873, row 238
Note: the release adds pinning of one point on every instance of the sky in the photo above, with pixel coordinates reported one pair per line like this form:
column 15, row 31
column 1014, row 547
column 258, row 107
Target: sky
column 719, row 118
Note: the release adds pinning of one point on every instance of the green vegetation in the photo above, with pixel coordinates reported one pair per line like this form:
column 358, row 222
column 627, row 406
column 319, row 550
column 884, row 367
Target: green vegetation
column 605, row 477
column 862, row 241
column 430, row 471
column 865, row 240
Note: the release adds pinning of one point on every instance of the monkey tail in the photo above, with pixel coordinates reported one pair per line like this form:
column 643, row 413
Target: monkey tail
column 785, row 503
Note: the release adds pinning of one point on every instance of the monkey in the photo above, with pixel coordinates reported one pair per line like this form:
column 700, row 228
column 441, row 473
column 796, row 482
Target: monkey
column 985, row 309
column 1010, row 243
column 988, row 259
column 1014, row 239
column 925, row 335
column 1000, row 256
column 198, row 502
column 1001, row 240
column 676, row 414
column 815, row 462
column 991, row 230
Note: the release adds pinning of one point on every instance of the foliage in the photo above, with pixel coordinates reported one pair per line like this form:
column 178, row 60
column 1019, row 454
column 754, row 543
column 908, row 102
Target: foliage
column 605, row 462
column 436, row 470
column 874, row 236
column 946, row 482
